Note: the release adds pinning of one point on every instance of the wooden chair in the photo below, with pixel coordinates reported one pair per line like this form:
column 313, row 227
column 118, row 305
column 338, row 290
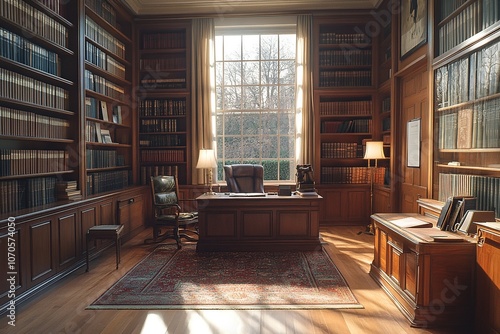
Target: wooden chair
column 244, row 178
column 170, row 221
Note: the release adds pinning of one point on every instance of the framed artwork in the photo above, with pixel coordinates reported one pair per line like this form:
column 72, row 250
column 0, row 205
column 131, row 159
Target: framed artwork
column 413, row 25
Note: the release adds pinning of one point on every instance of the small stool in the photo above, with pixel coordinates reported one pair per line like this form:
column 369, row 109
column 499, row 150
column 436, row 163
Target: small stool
column 113, row 232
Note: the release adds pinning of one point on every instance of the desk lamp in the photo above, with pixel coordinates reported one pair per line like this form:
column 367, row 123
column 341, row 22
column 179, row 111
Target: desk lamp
column 206, row 160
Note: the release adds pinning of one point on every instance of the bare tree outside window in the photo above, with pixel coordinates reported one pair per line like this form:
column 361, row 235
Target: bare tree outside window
column 255, row 114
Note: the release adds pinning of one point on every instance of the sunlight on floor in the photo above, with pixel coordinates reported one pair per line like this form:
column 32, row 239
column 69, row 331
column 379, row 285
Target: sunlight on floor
column 154, row 324
column 216, row 321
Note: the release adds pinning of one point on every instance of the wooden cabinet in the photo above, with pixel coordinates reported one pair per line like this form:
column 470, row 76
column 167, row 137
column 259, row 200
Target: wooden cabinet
column 164, row 100
column 488, row 278
column 431, row 282
column 344, row 204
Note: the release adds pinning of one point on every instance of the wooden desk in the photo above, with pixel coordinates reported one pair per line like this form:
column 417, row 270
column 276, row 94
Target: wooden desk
column 431, row 282
column 269, row 223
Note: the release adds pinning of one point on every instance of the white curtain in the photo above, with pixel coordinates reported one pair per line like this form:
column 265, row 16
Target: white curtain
column 203, row 62
column 303, row 91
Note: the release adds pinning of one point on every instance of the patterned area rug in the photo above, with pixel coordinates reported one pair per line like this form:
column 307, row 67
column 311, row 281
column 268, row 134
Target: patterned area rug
column 185, row 279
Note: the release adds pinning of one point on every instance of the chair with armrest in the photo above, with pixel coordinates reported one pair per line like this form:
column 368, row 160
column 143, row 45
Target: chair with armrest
column 168, row 214
column 244, row 178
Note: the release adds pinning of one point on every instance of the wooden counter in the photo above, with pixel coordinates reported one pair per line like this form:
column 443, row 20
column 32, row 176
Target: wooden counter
column 430, row 278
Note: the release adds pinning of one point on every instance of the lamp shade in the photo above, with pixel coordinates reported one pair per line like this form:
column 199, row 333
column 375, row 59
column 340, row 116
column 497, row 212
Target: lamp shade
column 374, row 150
column 206, row 159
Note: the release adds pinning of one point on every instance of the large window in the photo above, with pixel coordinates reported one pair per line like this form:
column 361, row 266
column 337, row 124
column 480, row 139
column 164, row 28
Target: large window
column 255, row 108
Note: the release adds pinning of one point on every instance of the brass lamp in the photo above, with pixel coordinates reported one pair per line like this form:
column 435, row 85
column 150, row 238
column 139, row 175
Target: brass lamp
column 374, row 151
column 206, row 160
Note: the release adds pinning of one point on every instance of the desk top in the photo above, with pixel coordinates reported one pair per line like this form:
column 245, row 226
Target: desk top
column 253, row 196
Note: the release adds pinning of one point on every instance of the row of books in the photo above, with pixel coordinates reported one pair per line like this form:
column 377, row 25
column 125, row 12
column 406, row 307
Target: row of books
column 474, row 126
column 26, row 89
column 351, row 126
column 334, row 108
column 336, row 38
column 459, row 28
column 163, row 83
column 100, row 109
column 100, row 36
column 162, row 156
column 469, row 78
column 107, row 181
column 103, row 86
column 24, row 162
column 34, row 21
column 53, row 5
column 486, row 189
column 26, row 193
column 27, row 124
column 164, row 40
column 162, row 107
column 352, row 175
column 99, row 58
column 341, row 150
column 348, row 57
column 104, row 10
column 158, row 125
column 67, row 190
column 104, row 158
column 148, row 171
column 165, row 63
column 95, row 134
column 491, row 12
column 147, row 140
column 345, row 78
column 19, row 49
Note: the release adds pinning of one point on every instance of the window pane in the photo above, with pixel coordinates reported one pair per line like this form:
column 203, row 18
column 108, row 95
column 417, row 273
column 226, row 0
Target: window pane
column 270, row 123
column 287, row 72
column 269, row 97
column 232, row 98
column 220, row 98
column 232, row 147
column 219, row 55
column 232, row 123
column 270, row 147
column 251, row 123
column 219, row 73
column 286, row 169
column 232, row 47
column 287, row 98
column 251, row 47
column 232, row 73
column 251, row 97
column 287, row 46
column 287, row 147
column 252, row 146
column 269, row 47
column 269, row 72
column 251, row 73
column 287, row 123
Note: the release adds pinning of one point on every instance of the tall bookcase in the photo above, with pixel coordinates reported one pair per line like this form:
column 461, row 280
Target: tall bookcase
column 344, row 91
column 164, row 100
column 467, row 105
column 109, row 117
column 38, row 116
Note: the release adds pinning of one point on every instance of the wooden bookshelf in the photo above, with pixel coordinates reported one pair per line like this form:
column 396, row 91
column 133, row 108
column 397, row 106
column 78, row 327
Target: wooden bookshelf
column 109, row 117
column 38, row 118
column 344, row 102
column 164, row 100
column 467, row 122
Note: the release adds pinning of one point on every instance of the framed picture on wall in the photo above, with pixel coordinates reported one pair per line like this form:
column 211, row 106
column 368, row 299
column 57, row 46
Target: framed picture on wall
column 413, row 25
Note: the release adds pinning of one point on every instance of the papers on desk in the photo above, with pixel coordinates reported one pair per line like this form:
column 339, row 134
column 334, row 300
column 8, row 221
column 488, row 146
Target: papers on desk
column 247, row 194
column 435, row 234
column 411, row 222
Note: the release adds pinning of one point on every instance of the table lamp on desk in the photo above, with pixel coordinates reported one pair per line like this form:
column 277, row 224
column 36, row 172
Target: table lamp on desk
column 374, row 151
column 206, row 160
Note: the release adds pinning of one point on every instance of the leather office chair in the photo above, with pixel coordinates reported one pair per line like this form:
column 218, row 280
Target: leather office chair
column 168, row 213
column 244, row 178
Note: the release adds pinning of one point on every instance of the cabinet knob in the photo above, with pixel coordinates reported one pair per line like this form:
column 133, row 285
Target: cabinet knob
column 131, row 200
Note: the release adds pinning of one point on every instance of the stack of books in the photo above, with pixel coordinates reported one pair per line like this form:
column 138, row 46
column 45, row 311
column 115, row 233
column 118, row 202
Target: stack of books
column 67, row 190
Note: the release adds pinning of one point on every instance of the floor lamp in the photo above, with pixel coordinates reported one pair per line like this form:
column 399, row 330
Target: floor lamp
column 206, row 160
column 374, row 151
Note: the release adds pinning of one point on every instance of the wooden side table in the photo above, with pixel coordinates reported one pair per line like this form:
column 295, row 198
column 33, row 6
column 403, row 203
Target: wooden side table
column 113, row 232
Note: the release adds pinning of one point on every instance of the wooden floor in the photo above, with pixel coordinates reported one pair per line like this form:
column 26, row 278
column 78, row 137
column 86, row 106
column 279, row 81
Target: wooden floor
column 61, row 308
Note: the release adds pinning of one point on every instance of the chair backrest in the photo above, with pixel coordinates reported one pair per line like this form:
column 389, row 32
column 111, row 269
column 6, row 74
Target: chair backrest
column 164, row 189
column 244, row 178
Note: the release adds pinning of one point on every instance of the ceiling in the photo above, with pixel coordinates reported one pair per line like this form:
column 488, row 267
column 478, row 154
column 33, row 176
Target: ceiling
column 228, row 7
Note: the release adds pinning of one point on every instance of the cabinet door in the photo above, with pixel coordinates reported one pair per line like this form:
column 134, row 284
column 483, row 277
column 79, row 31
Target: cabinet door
column 130, row 214
column 68, row 239
column 42, row 252
column 10, row 248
